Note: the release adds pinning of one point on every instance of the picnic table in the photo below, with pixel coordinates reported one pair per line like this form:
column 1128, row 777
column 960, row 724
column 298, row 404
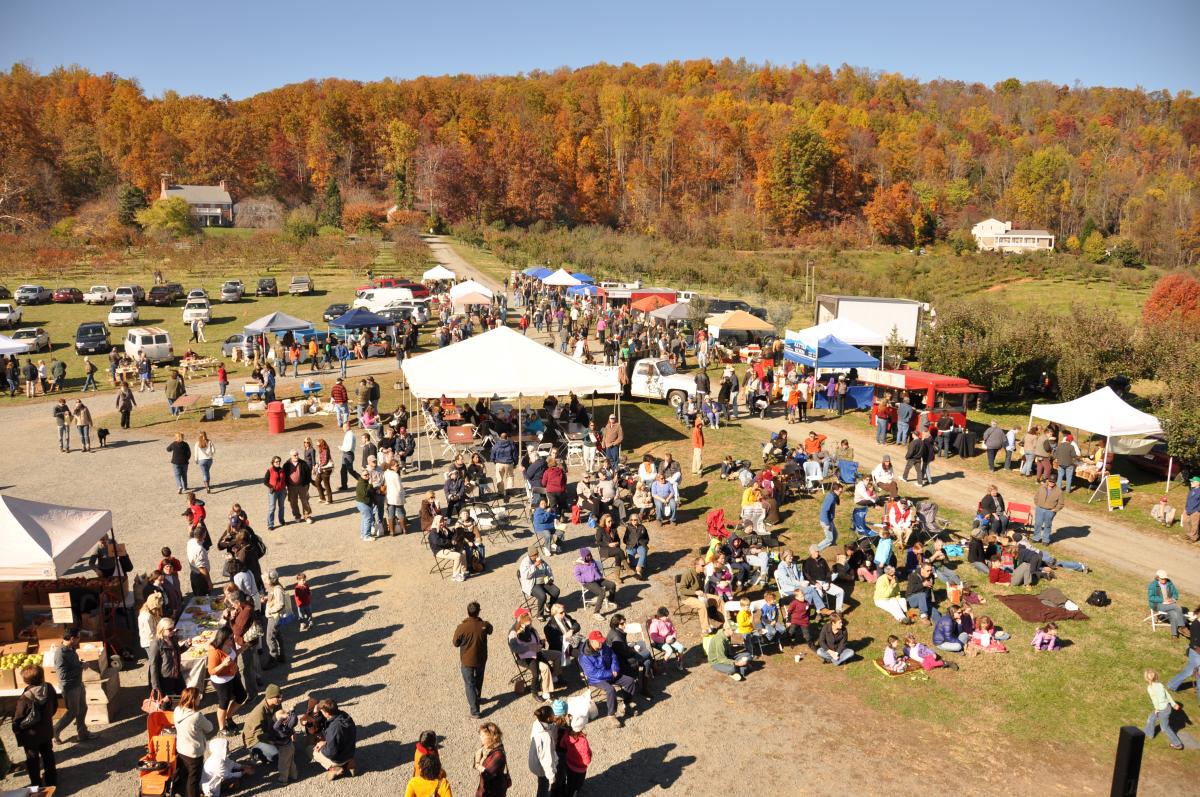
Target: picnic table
column 461, row 438
column 184, row 402
column 199, row 366
column 198, row 622
column 126, row 373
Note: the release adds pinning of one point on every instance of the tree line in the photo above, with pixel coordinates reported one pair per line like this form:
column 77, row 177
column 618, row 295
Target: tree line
column 710, row 153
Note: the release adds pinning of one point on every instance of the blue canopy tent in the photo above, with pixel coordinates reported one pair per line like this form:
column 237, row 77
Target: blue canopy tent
column 360, row 318
column 832, row 353
column 537, row 272
column 583, row 290
column 579, row 275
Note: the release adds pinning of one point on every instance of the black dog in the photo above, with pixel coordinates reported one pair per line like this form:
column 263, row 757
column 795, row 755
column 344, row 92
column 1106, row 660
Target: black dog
column 102, row 436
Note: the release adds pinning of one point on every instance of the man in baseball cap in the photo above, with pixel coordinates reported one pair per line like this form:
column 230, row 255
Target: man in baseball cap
column 603, row 671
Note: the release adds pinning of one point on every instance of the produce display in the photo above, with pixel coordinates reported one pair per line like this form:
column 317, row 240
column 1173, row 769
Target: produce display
column 15, row 661
column 198, row 624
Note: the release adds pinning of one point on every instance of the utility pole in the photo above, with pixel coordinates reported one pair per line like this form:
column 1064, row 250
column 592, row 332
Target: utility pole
column 810, row 281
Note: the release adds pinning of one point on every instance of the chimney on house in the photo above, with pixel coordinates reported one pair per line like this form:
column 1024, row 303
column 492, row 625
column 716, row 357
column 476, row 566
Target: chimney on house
column 163, row 183
column 223, row 186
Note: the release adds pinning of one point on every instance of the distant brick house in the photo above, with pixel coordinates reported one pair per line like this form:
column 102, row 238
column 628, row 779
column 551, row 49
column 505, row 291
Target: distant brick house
column 994, row 235
column 211, row 205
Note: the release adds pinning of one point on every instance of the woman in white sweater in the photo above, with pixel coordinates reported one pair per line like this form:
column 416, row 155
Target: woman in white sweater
column 204, row 458
column 192, row 729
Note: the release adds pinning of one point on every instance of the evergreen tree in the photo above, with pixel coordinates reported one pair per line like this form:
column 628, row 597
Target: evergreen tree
column 331, row 206
column 130, row 199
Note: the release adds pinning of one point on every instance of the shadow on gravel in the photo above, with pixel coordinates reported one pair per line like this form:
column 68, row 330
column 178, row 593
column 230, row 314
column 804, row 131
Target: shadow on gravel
column 641, row 772
column 1071, row 532
column 77, row 777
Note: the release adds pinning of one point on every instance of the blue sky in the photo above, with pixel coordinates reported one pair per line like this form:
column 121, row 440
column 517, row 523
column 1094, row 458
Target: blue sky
column 240, row 48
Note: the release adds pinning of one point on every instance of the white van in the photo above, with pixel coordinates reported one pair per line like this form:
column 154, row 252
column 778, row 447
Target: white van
column 378, row 298
column 155, row 341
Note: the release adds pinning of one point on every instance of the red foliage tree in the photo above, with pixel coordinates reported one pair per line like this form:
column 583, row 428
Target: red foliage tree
column 890, row 213
column 1175, row 299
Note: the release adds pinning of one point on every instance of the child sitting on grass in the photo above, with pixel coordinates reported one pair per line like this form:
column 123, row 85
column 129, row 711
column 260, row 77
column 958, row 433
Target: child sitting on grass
column 986, row 638
column 663, row 634
column 1046, row 637
column 894, row 660
column 924, row 655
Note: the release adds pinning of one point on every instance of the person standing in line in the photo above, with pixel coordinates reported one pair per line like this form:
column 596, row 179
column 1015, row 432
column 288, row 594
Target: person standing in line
column 470, row 637
column 341, row 402
column 222, row 379
column 205, row 450
column 276, row 484
column 298, row 477
column 33, row 726
column 70, row 679
column 324, row 471
column 191, row 730
column 576, row 754
column 62, row 419
column 611, row 441
column 197, row 557
column 275, row 608
column 491, row 762
column 394, row 496
column 697, row 446
column 347, row 449
column 1162, row 702
column 83, row 419
column 181, row 454
column 125, row 403
column 543, row 749
column 828, row 510
column 303, row 595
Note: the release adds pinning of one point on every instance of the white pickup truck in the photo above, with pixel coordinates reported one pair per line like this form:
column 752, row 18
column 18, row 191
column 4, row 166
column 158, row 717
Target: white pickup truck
column 98, row 294
column 656, row 378
column 10, row 315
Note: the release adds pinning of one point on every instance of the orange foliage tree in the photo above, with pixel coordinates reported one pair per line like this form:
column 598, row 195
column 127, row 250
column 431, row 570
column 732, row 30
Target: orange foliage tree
column 1174, row 300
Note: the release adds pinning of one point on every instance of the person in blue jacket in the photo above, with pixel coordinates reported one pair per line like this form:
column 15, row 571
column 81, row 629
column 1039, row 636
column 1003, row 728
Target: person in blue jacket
column 948, row 633
column 342, row 353
column 543, row 526
column 603, row 671
column 828, row 508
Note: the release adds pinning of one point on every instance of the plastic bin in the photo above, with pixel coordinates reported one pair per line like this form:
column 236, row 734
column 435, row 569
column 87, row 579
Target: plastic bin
column 276, row 417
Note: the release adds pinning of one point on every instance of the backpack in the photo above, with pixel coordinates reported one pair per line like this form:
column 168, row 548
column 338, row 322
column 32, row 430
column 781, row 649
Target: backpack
column 1098, row 598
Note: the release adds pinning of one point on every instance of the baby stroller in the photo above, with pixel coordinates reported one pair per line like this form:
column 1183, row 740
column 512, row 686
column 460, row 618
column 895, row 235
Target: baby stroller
column 157, row 770
column 928, row 525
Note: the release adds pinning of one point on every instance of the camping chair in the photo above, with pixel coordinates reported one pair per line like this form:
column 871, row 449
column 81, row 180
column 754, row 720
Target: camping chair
column 683, row 611
column 761, row 638
column 443, row 567
column 847, row 472
column 1020, row 515
column 928, row 524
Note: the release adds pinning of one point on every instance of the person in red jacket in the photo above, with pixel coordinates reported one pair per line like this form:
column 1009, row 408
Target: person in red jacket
column 554, row 481
column 341, row 402
column 276, row 483
column 577, row 753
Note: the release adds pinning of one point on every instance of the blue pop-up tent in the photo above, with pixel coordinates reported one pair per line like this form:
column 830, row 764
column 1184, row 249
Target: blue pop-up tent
column 359, row 318
column 583, row 290
column 537, row 272
column 579, row 275
column 830, row 353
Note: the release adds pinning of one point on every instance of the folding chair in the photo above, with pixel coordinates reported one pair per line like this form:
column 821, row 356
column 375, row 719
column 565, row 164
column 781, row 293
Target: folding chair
column 522, row 681
column 813, row 480
column 1156, row 619
column 684, row 612
column 1020, row 515
column 574, row 453
column 443, row 567
column 492, row 522
column 847, row 472
column 588, row 600
column 761, row 638
column 527, row 601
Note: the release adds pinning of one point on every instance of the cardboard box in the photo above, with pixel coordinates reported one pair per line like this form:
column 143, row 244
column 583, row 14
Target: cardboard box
column 14, row 649
column 59, row 600
column 8, row 679
column 100, row 714
column 8, row 632
column 103, row 691
column 50, row 631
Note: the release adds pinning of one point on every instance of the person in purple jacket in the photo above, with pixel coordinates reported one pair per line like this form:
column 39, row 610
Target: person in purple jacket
column 591, row 579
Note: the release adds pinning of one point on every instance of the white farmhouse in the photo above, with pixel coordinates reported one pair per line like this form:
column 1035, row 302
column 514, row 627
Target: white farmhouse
column 993, row 235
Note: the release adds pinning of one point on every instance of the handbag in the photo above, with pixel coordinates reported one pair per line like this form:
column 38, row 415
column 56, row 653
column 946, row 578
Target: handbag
column 155, row 702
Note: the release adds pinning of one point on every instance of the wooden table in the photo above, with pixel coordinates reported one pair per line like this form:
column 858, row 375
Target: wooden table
column 127, row 373
column 199, row 367
column 449, row 416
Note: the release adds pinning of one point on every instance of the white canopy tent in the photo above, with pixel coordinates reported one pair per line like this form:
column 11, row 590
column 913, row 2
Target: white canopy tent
column 1102, row 413
column 470, row 286
column 276, row 322
column 438, row 273
column 562, row 277
column 843, row 329
column 43, row 541
column 10, row 346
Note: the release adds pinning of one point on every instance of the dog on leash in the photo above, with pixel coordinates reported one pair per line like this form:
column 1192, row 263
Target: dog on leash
column 102, row 436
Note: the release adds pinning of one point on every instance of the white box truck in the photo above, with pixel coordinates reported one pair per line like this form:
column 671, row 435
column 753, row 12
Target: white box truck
column 875, row 313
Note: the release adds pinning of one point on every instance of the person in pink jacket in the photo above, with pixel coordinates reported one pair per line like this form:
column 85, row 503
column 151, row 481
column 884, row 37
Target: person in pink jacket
column 577, row 753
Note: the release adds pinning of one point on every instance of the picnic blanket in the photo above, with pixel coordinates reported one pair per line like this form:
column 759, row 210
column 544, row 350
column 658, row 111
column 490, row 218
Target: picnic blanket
column 1031, row 609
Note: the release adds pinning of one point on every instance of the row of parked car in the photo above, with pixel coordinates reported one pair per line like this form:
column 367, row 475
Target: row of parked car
column 159, row 295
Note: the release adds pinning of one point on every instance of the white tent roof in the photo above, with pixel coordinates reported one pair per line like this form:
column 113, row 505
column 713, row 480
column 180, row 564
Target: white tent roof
column 1102, row 413
column 44, row 541
column 562, row 277
column 470, row 286
column 843, row 329
column 276, row 322
column 439, row 272
column 10, row 346
column 501, row 362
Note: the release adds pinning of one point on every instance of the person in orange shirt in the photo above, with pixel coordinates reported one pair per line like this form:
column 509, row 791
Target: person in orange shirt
column 697, row 445
column 813, row 443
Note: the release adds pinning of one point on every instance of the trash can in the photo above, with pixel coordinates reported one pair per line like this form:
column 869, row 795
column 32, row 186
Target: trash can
column 275, row 417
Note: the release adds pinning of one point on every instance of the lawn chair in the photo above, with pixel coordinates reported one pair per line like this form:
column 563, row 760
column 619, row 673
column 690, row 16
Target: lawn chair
column 813, row 478
column 847, row 472
column 1020, row 515
column 1155, row 619
column 684, row 612
column 928, row 524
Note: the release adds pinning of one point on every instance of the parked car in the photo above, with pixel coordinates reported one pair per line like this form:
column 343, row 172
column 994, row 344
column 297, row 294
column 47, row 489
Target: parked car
column 160, row 296
column 126, row 294
column 231, row 343
column 123, row 314
column 232, row 291
column 300, row 285
column 176, row 289
column 35, row 337
column 419, row 307
column 67, row 295
column 197, row 293
column 335, row 310
column 10, row 315
column 32, row 294
column 154, row 341
column 5, row 293
column 419, row 290
column 98, row 294
column 197, row 310
column 92, row 338
column 1157, row 461
column 396, row 313
column 267, row 287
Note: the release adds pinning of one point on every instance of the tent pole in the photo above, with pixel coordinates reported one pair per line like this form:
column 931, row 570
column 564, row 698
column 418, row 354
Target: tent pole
column 1103, row 470
column 1029, row 425
column 1170, row 463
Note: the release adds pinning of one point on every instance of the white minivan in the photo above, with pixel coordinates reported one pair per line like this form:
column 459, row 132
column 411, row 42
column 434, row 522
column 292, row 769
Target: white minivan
column 155, row 341
column 378, row 298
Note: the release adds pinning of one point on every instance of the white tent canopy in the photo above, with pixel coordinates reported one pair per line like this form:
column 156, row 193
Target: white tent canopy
column 1102, row 413
column 501, row 362
column 10, row 346
column 562, row 277
column 44, row 541
column 843, row 329
column 470, row 286
column 276, row 322
column 438, row 272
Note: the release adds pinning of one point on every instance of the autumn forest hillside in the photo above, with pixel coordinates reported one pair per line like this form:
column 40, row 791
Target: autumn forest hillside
column 707, row 153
